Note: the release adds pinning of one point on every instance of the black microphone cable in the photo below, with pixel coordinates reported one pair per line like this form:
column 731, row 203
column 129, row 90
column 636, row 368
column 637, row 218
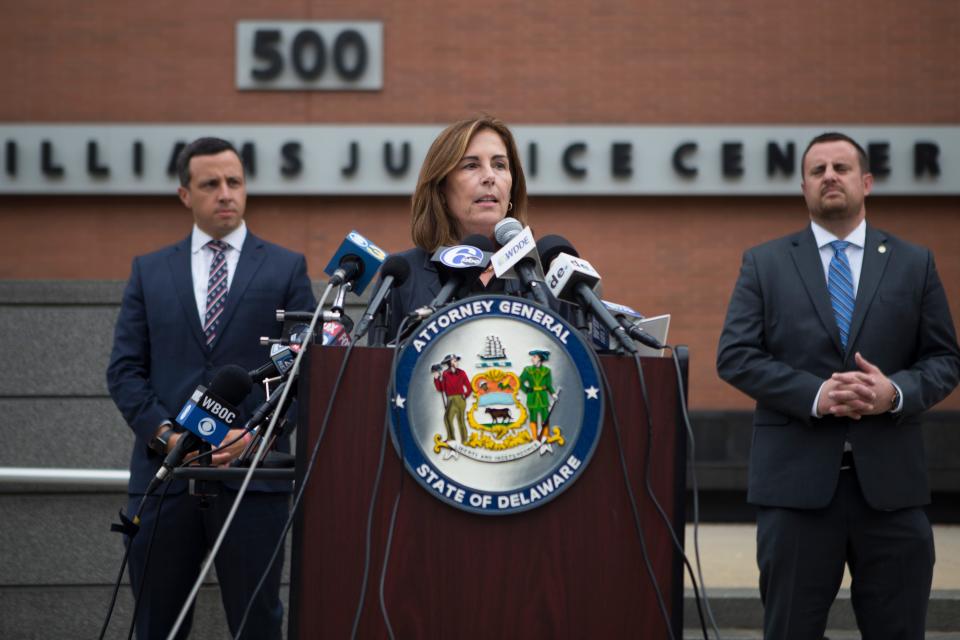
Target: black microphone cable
column 368, row 540
column 635, row 510
column 241, row 492
column 695, row 489
column 660, row 510
column 225, row 382
column 278, row 548
column 146, row 560
column 131, row 527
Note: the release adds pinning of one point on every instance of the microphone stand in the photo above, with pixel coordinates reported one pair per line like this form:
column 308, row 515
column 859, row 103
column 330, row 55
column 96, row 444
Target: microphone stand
column 241, row 492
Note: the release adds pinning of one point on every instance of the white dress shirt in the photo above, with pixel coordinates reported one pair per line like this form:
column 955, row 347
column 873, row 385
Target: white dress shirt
column 857, row 240
column 201, row 256
column 854, row 251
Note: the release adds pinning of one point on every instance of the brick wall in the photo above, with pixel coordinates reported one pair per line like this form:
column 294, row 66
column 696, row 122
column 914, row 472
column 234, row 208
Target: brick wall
column 548, row 62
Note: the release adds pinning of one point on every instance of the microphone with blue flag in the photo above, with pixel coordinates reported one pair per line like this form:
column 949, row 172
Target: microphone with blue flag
column 356, row 261
column 208, row 415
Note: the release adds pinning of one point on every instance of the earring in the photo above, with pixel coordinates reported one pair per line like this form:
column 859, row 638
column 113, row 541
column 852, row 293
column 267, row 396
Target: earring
column 510, row 206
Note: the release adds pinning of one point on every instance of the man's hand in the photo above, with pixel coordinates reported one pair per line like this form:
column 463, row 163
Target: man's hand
column 224, row 456
column 854, row 394
column 835, row 400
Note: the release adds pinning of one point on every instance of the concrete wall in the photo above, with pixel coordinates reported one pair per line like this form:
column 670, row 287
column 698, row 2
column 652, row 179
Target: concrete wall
column 58, row 558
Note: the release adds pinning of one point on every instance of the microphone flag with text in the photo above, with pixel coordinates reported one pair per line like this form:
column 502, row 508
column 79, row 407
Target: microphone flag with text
column 573, row 279
column 518, row 258
column 208, row 415
column 280, row 362
column 457, row 266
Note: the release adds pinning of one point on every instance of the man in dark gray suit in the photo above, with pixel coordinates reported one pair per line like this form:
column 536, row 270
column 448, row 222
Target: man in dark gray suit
column 188, row 310
column 843, row 336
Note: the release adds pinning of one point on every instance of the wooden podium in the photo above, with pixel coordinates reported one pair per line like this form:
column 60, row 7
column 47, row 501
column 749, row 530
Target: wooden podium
column 572, row 568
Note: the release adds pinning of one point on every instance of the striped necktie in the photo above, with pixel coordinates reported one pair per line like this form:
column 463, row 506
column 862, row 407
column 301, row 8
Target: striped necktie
column 216, row 289
column 840, row 286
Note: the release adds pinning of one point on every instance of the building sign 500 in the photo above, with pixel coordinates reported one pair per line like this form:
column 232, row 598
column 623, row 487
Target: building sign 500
column 314, row 56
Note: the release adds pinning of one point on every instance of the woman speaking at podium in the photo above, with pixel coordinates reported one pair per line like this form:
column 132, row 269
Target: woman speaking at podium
column 470, row 180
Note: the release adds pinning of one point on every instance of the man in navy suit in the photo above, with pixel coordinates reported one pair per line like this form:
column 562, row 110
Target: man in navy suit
column 843, row 336
column 189, row 309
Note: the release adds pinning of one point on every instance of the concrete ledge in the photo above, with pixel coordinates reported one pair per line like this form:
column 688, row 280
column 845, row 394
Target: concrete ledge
column 741, row 609
column 723, row 449
column 77, row 611
column 61, row 292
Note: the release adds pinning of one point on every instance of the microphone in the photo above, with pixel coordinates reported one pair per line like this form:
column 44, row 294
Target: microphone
column 457, row 265
column 636, row 332
column 518, row 258
column 281, row 361
column 630, row 320
column 335, row 330
column 356, row 261
column 574, row 279
column 337, row 325
column 207, row 415
column 268, row 405
column 261, row 415
column 394, row 272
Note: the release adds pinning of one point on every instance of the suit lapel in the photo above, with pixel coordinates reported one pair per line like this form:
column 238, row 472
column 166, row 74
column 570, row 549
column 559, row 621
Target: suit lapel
column 806, row 256
column 433, row 284
column 179, row 261
column 871, row 272
column 251, row 257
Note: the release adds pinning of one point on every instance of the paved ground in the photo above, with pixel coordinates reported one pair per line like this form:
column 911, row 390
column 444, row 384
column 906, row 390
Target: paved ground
column 728, row 553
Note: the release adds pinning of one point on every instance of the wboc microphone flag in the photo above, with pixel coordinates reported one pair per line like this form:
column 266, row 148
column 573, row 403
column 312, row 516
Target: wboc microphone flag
column 207, row 416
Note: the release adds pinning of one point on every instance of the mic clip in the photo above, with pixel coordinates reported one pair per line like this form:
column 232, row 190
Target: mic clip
column 422, row 313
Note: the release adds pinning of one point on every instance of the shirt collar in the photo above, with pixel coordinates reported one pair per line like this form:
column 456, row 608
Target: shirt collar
column 858, row 237
column 199, row 238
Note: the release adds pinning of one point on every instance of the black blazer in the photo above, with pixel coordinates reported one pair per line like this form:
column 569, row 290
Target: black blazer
column 159, row 354
column 780, row 342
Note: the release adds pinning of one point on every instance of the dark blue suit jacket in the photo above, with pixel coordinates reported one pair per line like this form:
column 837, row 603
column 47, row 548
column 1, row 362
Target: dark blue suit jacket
column 780, row 341
column 159, row 353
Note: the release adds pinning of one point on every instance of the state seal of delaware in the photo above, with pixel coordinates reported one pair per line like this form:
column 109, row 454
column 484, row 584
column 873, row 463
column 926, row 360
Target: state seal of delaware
column 497, row 405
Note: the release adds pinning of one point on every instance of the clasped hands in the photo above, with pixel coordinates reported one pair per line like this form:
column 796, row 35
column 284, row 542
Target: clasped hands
column 223, row 455
column 854, row 394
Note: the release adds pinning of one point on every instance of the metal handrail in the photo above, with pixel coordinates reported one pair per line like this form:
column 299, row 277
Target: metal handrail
column 75, row 478
column 117, row 479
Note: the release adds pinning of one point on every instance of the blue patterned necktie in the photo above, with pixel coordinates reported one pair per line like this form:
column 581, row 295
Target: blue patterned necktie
column 216, row 289
column 840, row 286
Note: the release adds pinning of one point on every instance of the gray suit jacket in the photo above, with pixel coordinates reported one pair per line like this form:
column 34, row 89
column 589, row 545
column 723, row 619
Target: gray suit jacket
column 780, row 342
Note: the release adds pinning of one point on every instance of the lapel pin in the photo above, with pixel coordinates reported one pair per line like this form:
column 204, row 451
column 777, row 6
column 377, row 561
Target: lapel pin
column 882, row 248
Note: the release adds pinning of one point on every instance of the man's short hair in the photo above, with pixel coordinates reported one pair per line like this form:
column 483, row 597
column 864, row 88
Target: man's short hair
column 201, row 147
column 836, row 136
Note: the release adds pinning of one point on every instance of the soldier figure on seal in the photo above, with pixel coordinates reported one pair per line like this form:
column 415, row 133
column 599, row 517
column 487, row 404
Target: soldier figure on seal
column 536, row 381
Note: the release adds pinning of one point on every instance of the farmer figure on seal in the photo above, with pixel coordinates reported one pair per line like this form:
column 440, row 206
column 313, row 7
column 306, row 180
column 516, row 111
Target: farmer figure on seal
column 453, row 383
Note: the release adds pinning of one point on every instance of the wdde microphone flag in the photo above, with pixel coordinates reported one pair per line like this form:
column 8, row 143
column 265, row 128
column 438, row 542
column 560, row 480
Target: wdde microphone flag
column 207, row 416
